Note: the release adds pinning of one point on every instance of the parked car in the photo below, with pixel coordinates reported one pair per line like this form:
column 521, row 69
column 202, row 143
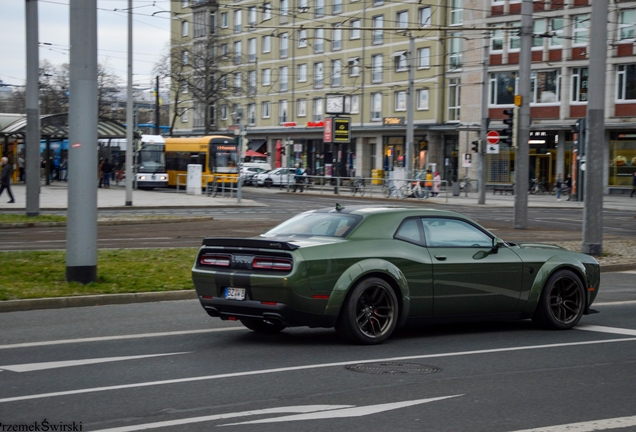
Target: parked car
column 275, row 177
column 366, row 270
column 248, row 174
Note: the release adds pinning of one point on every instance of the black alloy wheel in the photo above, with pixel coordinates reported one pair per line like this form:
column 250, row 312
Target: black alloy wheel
column 562, row 301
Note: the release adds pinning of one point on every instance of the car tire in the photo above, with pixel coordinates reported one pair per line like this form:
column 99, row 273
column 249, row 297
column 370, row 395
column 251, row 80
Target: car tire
column 562, row 302
column 264, row 327
column 369, row 314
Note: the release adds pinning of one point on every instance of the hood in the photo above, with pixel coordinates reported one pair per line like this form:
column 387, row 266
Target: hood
column 539, row 246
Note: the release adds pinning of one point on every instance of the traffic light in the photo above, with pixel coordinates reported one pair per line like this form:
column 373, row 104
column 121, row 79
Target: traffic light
column 507, row 134
column 475, row 146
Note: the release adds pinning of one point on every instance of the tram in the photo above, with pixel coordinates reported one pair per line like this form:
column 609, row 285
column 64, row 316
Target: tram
column 217, row 154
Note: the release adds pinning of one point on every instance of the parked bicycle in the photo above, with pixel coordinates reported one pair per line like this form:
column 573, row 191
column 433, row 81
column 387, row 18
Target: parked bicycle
column 358, row 186
column 536, row 187
column 413, row 189
column 465, row 184
column 389, row 189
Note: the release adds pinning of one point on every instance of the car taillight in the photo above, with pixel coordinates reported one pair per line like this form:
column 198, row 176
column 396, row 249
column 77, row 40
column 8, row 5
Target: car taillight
column 215, row 260
column 272, row 264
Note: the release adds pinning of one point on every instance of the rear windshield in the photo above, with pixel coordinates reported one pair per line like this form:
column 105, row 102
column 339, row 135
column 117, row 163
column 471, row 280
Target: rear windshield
column 316, row 224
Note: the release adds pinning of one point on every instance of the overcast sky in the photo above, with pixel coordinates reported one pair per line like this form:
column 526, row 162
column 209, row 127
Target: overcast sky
column 151, row 34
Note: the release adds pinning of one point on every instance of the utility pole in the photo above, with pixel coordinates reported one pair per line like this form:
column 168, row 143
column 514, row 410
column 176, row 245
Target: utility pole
column 157, row 108
column 81, row 227
column 593, row 209
column 481, row 168
column 410, row 133
column 130, row 124
column 522, row 162
column 32, row 159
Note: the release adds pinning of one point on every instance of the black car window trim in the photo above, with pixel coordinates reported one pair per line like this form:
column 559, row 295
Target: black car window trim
column 421, row 242
column 468, row 222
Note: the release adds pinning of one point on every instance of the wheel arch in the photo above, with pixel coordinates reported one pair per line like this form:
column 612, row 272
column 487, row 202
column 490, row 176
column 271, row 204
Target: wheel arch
column 379, row 268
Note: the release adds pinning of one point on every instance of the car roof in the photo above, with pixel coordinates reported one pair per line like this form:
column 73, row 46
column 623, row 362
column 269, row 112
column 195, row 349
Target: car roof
column 365, row 210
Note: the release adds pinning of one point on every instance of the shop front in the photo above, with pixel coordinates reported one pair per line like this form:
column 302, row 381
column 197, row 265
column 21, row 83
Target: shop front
column 622, row 159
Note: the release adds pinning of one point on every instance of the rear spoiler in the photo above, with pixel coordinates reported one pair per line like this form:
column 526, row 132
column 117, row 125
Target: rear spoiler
column 249, row 243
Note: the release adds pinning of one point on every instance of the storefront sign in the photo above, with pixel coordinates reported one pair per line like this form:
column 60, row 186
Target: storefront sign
column 393, row 121
column 341, row 130
column 328, row 131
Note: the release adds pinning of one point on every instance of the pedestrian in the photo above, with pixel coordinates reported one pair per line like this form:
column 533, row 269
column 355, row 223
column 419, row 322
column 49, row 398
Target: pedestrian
column 633, row 185
column 21, row 167
column 429, row 181
column 100, row 173
column 299, row 178
column 107, row 169
column 5, row 178
column 64, row 169
column 568, row 185
column 558, row 184
column 437, row 180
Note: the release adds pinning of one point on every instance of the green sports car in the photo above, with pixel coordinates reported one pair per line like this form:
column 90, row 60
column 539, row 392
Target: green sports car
column 366, row 270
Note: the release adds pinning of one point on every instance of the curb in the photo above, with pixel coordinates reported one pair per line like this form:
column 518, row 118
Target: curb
column 107, row 222
column 94, row 300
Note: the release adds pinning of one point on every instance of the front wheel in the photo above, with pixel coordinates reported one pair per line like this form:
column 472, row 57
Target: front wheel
column 562, row 301
column 386, row 191
column 369, row 314
column 260, row 326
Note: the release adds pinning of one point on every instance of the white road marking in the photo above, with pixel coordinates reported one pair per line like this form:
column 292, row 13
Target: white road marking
column 618, row 303
column 629, row 271
column 602, row 329
column 344, row 413
column 305, row 367
column 30, row 367
column 120, row 337
column 292, row 409
column 595, row 425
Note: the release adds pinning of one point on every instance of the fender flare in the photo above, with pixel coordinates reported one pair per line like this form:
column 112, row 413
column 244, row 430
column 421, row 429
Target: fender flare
column 358, row 271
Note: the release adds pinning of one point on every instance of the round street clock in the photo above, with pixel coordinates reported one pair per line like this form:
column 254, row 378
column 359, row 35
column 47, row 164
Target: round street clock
column 335, row 104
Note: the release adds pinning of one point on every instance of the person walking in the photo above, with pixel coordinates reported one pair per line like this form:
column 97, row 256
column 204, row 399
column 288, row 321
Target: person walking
column 299, row 178
column 5, row 178
column 568, row 185
column 437, row 180
column 558, row 184
column 107, row 170
column 633, row 185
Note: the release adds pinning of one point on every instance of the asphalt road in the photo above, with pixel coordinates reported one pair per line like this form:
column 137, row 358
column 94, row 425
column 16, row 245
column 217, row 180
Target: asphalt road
column 561, row 225
column 168, row 366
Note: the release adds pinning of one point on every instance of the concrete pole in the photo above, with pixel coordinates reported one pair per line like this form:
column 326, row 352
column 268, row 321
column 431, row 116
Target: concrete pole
column 410, row 133
column 130, row 124
column 520, row 217
column 81, row 231
column 32, row 159
column 481, row 168
column 593, row 209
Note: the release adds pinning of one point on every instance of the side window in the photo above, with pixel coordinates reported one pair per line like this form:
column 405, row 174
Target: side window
column 409, row 231
column 443, row 232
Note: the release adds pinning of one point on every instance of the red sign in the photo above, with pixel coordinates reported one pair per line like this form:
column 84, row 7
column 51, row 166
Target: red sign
column 492, row 137
column 328, row 131
column 318, row 124
column 289, row 124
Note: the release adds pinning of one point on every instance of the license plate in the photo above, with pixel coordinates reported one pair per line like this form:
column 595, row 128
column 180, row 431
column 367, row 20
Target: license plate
column 234, row 293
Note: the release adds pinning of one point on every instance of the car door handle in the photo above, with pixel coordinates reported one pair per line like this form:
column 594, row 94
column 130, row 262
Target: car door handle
column 440, row 257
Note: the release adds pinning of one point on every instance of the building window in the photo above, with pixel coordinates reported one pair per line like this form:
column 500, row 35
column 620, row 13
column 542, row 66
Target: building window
column 224, row 112
column 354, row 33
column 199, row 25
column 301, row 107
column 212, row 111
column 455, row 54
column 320, row 8
column 238, row 83
column 265, row 110
column 626, row 82
column 223, row 83
column 302, row 38
column 354, row 67
column 224, row 50
column 376, row 106
column 282, row 112
column 284, row 7
column 184, row 115
column 539, row 31
column 545, row 87
column 336, row 37
column 184, row 28
column 252, row 82
column 454, row 100
column 423, row 58
column 376, row 68
column 238, row 25
column 337, row 6
column 251, row 50
column 238, row 53
column 400, row 61
column 318, row 75
column 251, row 16
column 336, row 73
column 402, row 19
column 266, row 44
column 377, row 22
column 185, row 87
column 225, row 21
column 457, row 12
column 626, row 21
column 266, row 77
column 302, row 72
column 319, row 40
column 422, row 99
column 497, row 38
column 354, row 108
column 503, row 87
column 185, row 57
column 424, row 16
column 284, row 45
column 514, row 41
column 400, row 100
column 579, row 84
column 185, row 3
column 317, row 116
column 251, row 114
column 267, row 11
column 581, row 29
column 303, row 6
column 556, row 32
column 283, row 77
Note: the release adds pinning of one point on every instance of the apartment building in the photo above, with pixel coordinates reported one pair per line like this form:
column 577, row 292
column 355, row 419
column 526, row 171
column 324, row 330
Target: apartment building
column 559, row 85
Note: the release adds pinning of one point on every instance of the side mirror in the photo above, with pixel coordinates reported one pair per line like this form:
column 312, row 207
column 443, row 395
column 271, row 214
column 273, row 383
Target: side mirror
column 496, row 244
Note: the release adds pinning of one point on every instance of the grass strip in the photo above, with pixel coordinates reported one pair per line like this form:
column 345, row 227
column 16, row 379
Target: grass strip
column 22, row 218
column 39, row 274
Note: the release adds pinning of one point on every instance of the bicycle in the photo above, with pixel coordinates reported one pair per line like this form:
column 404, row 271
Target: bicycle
column 465, row 184
column 417, row 191
column 536, row 187
column 358, row 186
column 389, row 189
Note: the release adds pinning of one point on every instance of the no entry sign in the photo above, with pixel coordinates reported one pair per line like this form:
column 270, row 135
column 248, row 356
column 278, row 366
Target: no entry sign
column 492, row 137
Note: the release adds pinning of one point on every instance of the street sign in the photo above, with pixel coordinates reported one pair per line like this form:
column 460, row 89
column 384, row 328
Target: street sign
column 492, row 137
column 492, row 149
